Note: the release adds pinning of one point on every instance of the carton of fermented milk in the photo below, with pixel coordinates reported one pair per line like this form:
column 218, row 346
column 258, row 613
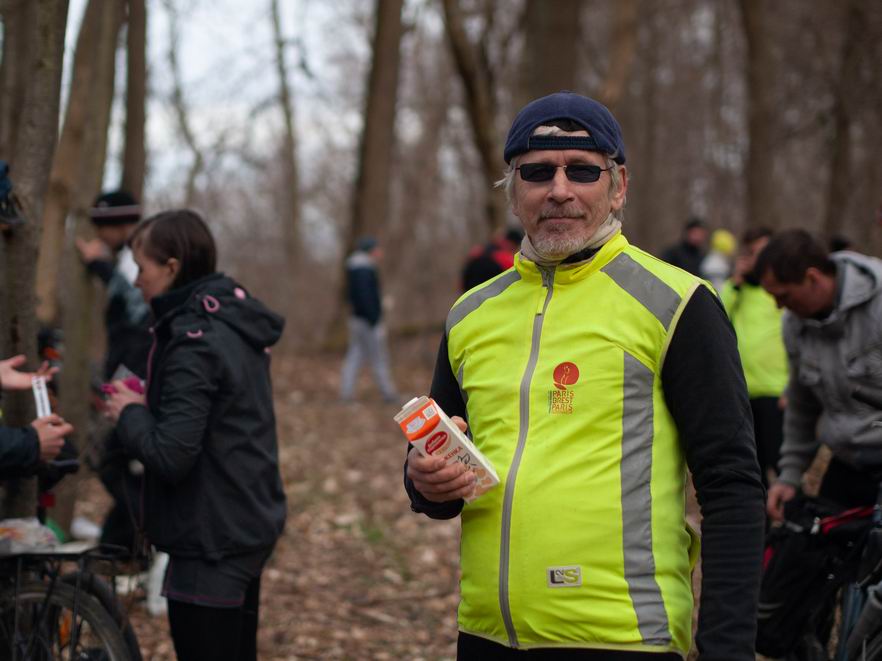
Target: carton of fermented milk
column 432, row 433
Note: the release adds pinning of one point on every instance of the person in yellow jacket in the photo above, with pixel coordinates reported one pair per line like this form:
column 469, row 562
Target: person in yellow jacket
column 591, row 374
column 757, row 322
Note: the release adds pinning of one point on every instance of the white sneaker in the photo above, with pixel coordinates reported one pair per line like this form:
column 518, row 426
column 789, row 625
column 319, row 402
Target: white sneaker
column 156, row 603
column 83, row 529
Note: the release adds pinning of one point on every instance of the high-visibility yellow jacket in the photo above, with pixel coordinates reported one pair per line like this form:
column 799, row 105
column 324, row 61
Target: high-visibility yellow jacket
column 584, row 543
column 757, row 322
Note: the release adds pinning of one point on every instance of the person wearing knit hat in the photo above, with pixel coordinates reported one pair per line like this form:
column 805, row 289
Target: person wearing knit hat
column 114, row 216
column 592, row 375
column 717, row 265
column 367, row 333
column 757, row 321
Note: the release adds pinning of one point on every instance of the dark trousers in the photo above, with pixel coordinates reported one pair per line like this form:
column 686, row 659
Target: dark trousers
column 768, row 427
column 121, row 525
column 205, row 633
column 848, row 486
column 475, row 648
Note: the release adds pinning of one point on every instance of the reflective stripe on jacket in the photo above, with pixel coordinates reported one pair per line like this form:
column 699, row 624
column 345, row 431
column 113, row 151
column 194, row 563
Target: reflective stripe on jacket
column 584, row 543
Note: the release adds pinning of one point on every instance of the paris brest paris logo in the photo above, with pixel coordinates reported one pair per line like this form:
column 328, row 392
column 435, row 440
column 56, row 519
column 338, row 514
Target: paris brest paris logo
column 560, row 400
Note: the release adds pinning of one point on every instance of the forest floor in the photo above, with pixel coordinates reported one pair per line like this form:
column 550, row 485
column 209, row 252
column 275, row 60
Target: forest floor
column 356, row 574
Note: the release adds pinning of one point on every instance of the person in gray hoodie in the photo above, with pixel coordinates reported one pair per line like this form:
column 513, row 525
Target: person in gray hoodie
column 833, row 335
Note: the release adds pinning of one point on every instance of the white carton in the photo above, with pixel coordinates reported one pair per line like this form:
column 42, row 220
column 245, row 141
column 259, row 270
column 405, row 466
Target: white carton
column 432, row 433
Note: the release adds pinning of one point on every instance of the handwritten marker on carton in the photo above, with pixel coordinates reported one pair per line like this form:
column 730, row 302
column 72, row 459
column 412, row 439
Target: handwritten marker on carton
column 41, row 396
column 432, row 433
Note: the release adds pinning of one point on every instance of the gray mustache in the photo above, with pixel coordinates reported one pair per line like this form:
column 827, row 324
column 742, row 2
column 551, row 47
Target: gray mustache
column 560, row 212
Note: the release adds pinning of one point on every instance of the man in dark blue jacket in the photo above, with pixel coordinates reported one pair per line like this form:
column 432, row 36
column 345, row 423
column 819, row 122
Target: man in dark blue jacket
column 367, row 335
column 22, row 448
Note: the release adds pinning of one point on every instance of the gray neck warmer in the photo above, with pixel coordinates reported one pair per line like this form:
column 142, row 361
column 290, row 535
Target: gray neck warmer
column 609, row 227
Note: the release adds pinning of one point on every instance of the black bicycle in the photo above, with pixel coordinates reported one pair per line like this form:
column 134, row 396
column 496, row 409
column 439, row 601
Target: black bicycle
column 823, row 600
column 54, row 603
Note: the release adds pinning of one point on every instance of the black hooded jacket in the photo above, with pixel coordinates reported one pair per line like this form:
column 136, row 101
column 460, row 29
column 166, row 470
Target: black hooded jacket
column 207, row 437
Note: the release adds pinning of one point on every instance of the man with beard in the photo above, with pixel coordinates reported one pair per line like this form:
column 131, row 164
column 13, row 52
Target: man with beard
column 591, row 375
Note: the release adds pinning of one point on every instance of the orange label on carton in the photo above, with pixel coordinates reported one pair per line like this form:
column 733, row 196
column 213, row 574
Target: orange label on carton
column 432, row 433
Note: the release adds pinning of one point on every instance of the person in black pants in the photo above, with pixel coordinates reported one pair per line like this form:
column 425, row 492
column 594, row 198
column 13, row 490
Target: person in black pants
column 205, row 432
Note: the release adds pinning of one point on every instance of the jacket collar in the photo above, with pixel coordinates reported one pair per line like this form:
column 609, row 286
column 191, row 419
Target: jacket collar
column 175, row 298
column 564, row 272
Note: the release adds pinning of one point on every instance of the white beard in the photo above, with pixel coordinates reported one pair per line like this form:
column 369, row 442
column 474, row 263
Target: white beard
column 554, row 246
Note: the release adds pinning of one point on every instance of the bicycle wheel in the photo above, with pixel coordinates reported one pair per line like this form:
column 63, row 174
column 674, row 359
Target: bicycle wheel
column 99, row 589
column 65, row 624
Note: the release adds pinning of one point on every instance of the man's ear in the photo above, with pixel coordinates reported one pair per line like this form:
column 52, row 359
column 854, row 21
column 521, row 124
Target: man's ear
column 812, row 276
column 618, row 200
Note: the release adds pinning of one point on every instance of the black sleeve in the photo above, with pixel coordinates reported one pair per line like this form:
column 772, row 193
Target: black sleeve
column 445, row 392
column 168, row 441
column 705, row 391
column 103, row 268
column 19, row 452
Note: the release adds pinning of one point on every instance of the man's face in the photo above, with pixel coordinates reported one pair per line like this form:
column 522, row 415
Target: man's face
column 804, row 299
column 115, row 236
column 697, row 236
column 750, row 252
column 561, row 216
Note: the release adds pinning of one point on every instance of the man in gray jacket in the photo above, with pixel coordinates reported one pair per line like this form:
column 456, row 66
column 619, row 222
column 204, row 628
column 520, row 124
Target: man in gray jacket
column 833, row 336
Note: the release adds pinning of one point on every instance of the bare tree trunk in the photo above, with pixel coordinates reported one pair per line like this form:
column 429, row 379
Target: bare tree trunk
column 847, row 83
column 291, row 227
column 624, row 46
column 81, row 149
column 30, row 125
column 645, row 230
column 474, row 72
column 551, row 47
column 759, row 171
column 15, row 15
column 135, row 154
column 180, row 106
column 371, row 200
column 75, row 180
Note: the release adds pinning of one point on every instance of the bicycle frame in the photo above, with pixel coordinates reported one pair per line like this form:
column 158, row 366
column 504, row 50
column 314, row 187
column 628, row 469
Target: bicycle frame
column 47, row 566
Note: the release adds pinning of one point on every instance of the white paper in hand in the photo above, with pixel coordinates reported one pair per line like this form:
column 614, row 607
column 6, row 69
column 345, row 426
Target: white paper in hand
column 41, row 396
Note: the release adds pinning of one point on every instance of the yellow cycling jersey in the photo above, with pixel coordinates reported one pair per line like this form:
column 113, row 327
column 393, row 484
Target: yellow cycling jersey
column 584, row 543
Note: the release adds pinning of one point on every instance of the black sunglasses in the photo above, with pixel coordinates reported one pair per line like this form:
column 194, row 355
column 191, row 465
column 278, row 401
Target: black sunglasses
column 580, row 173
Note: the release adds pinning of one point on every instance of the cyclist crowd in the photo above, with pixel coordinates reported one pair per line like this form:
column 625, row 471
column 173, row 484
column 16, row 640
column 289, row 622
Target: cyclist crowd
column 590, row 373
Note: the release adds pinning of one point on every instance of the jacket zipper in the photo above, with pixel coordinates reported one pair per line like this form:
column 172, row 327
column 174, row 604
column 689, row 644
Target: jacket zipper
column 507, row 503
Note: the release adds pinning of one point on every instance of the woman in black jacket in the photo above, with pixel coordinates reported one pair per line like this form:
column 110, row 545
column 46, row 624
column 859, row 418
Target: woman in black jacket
column 205, row 431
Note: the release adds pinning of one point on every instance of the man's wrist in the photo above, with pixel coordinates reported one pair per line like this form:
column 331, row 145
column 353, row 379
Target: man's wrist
column 791, row 476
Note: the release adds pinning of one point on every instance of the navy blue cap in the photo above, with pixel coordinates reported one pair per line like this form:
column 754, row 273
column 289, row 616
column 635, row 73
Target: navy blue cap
column 366, row 244
column 605, row 134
